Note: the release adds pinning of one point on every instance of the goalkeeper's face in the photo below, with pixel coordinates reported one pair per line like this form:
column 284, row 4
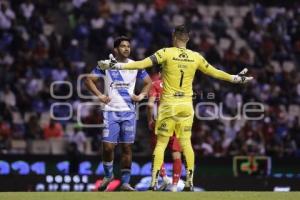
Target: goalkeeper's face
column 123, row 50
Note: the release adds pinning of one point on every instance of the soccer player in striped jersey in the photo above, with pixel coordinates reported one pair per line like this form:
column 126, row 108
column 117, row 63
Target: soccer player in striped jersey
column 119, row 111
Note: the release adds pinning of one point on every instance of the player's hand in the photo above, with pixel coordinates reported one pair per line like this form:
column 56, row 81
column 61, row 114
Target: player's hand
column 103, row 64
column 111, row 63
column 137, row 98
column 104, row 99
column 241, row 77
column 151, row 124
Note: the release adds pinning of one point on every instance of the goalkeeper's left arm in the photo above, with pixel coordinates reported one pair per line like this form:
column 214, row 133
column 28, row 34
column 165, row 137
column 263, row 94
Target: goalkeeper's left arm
column 142, row 64
column 216, row 73
column 208, row 69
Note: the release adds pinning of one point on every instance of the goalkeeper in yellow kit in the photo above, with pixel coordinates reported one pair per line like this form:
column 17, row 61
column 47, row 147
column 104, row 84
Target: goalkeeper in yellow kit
column 175, row 113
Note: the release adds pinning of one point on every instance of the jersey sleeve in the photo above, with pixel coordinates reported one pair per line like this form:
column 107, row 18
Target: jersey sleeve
column 142, row 64
column 208, row 69
column 203, row 65
column 142, row 74
column 153, row 92
column 97, row 71
column 159, row 57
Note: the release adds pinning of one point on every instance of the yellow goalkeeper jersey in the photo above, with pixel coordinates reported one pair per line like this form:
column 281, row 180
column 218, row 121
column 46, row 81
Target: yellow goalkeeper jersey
column 178, row 70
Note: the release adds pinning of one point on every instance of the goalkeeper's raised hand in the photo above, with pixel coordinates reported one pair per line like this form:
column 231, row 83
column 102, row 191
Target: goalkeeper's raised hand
column 241, row 77
column 112, row 63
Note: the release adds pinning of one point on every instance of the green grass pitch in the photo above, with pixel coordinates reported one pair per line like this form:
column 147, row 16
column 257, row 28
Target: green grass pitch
column 149, row 195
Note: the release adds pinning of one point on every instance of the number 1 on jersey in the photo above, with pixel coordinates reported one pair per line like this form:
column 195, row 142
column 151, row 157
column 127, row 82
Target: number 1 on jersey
column 181, row 77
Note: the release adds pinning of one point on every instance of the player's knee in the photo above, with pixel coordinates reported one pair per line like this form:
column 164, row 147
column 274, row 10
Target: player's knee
column 182, row 142
column 126, row 149
column 162, row 140
column 162, row 143
column 185, row 143
column 108, row 147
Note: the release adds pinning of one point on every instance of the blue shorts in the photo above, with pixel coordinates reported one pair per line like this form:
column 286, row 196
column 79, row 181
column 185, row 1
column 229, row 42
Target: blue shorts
column 120, row 127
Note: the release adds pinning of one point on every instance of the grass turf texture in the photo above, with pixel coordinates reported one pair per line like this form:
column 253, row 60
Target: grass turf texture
column 150, row 195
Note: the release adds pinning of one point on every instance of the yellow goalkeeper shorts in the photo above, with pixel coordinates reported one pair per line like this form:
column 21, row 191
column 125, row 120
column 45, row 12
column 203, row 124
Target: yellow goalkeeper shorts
column 175, row 117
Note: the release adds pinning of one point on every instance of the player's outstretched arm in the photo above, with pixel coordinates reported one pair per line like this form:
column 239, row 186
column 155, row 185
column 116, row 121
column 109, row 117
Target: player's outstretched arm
column 239, row 78
column 113, row 64
column 219, row 74
column 142, row 64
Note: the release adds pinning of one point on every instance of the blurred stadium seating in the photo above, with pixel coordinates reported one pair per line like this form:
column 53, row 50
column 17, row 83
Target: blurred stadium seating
column 46, row 41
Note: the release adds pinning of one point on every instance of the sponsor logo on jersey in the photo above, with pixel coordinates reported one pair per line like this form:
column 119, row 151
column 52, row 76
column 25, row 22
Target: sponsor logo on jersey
column 183, row 55
column 115, row 74
column 118, row 85
column 183, row 59
column 178, row 94
column 163, row 127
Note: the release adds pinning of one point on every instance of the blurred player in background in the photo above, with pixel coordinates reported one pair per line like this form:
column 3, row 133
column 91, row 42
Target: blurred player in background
column 176, row 111
column 153, row 102
column 119, row 112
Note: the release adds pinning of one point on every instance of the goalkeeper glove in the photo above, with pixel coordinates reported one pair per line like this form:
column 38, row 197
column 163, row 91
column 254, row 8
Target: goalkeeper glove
column 241, row 77
column 112, row 63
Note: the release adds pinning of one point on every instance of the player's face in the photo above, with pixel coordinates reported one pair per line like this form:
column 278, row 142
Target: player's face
column 123, row 49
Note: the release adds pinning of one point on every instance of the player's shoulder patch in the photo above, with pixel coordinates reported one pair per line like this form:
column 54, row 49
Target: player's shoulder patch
column 203, row 59
column 158, row 83
column 158, row 53
column 167, row 49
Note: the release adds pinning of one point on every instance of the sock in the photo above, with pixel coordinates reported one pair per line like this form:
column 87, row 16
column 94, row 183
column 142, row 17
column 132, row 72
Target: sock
column 125, row 175
column 108, row 169
column 176, row 170
column 189, row 156
column 162, row 171
column 158, row 157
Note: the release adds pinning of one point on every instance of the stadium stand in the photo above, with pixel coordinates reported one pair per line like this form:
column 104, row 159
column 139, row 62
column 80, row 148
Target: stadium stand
column 45, row 41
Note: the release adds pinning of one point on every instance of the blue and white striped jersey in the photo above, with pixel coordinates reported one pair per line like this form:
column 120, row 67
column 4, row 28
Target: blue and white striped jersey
column 119, row 86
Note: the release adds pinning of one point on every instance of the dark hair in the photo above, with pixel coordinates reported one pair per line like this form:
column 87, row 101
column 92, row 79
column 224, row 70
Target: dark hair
column 181, row 29
column 120, row 39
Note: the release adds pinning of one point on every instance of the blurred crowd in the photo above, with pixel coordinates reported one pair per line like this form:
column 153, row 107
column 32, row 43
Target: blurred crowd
column 46, row 41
